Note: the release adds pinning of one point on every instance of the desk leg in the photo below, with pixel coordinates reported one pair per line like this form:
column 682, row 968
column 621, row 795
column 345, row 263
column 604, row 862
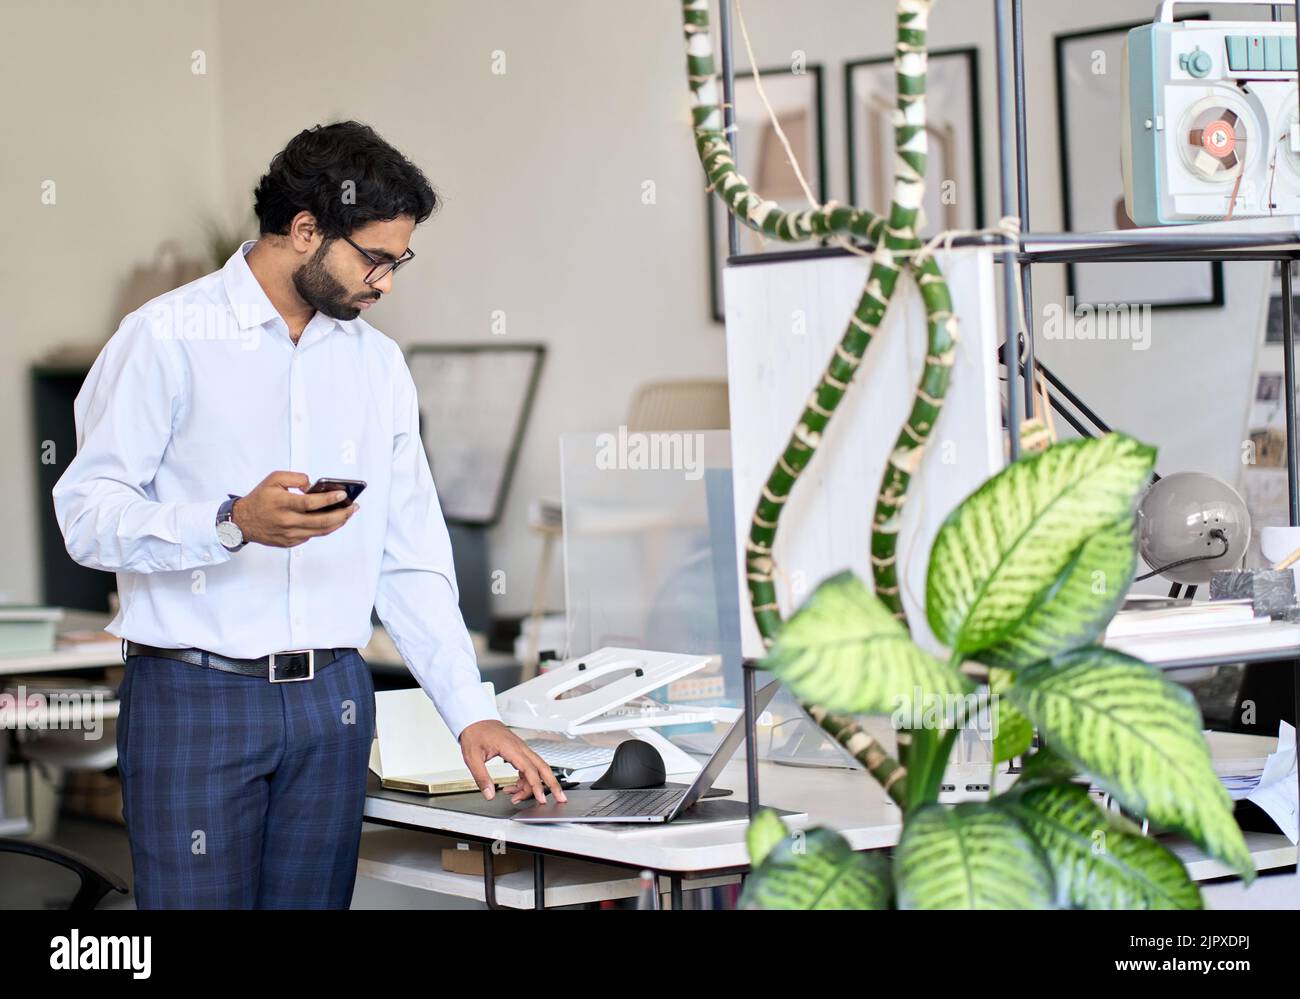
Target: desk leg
column 4, row 770
column 539, row 881
column 676, row 882
column 489, row 879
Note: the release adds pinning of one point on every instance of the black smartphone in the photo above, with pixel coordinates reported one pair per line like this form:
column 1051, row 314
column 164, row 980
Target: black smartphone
column 352, row 487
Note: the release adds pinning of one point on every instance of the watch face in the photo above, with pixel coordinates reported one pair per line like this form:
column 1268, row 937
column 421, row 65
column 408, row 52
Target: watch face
column 229, row 534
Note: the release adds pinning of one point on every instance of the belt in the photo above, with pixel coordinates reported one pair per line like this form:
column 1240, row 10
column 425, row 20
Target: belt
column 278, row 667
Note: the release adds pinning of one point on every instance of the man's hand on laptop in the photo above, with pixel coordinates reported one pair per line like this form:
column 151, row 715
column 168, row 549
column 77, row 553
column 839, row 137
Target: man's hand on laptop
column 486, row 740
column 272, row 515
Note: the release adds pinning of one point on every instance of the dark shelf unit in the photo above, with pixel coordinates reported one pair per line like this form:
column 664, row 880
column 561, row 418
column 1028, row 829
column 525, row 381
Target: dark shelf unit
column 1031, row 247
column 64, row 583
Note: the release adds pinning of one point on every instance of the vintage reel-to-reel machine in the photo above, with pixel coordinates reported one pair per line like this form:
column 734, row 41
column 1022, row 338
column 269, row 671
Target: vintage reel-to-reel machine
column 1211, row 119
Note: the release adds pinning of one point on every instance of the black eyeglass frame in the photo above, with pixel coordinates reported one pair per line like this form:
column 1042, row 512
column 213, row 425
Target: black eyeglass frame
column 392, row 265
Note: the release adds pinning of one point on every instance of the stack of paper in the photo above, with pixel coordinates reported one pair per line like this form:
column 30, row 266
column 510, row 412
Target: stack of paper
column 1206, row 630
column 1261, row 770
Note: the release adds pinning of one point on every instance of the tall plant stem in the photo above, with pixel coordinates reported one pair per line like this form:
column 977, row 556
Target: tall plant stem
column 897, row 234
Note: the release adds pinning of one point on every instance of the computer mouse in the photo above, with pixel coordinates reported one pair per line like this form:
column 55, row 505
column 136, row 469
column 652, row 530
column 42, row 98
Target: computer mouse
column 635, row 764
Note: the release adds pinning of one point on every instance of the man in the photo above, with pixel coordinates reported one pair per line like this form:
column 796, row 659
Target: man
column 247, row 712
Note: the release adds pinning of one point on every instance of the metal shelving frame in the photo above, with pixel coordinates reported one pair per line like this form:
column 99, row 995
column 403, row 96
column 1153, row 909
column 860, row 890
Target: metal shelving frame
column 1018, row 351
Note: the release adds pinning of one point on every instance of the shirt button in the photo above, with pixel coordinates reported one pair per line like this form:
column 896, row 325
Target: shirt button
column 297, row 418
column 207, row 557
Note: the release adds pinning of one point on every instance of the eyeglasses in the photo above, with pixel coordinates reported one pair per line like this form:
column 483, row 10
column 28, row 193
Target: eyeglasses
column 380, row 268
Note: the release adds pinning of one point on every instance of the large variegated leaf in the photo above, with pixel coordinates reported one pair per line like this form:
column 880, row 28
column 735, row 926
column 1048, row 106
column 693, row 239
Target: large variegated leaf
column 818, row 870
column 844, row 651
column 1096, row 864
column 1000, row 557
column 763, row 833
column 1013, row 733
column 972, row 856
column 1044, row 766
column 1078, row 606
column 1139, row 736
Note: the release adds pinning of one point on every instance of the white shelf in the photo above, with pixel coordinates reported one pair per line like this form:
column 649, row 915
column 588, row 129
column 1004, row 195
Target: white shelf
column 1270, row 850
column 414, row 859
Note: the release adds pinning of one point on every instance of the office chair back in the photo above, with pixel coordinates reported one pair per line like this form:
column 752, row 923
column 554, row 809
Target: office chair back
column 680, row 405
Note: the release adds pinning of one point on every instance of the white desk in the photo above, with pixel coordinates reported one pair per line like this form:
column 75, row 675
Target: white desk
column 845, row 800
column 61, row 660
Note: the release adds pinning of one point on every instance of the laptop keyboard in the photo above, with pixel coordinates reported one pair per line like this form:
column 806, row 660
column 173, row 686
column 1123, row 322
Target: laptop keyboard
column 648, row 802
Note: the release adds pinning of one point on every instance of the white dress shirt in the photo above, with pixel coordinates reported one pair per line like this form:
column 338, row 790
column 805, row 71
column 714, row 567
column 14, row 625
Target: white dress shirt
column 201, row 393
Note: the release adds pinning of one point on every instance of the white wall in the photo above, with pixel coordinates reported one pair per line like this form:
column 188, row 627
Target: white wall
column 100, row 99
column 542, row 169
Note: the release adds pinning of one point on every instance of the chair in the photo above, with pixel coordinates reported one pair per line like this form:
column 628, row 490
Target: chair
column 95, row 882
column 680, row 405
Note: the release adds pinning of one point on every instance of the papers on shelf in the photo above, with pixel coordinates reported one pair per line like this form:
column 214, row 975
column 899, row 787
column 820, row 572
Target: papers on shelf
column 1204, row 630
column 1266, row 778
column 1277, row 792
column 1163, row 620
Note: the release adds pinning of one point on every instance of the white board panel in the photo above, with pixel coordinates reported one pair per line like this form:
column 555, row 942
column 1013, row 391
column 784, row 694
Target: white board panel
column 783, row 322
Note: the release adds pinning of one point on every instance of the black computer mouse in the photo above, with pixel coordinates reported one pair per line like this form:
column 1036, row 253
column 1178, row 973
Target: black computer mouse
column 635, row 764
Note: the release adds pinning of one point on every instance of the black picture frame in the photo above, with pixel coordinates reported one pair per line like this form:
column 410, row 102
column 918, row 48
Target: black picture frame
column 1213, row 269
column 970, row 55
column 536, row 355
column 716, row 213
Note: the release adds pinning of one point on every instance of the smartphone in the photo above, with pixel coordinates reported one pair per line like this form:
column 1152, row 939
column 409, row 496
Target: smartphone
column 352, row 487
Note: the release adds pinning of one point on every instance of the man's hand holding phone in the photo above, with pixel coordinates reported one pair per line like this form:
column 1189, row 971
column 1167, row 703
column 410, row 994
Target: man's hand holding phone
column 272, row 515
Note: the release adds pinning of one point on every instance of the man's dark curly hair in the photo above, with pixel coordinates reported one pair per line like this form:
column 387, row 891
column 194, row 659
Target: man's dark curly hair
column 312, row 173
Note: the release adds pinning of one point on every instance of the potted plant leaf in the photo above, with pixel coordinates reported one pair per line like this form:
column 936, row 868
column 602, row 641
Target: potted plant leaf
column 1023, row 577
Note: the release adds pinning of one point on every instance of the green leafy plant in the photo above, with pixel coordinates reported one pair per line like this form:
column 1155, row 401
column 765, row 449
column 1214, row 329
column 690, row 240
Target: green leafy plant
column 1024, row 574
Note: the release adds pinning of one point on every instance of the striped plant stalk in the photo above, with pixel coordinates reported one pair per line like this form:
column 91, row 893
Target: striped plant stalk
column 910, row 156
column 913, row 439
column 726, row 180
column 910, row 162
column 898, row 234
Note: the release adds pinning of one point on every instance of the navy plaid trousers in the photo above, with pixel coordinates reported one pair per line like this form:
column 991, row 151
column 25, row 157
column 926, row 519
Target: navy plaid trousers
column 241, row 793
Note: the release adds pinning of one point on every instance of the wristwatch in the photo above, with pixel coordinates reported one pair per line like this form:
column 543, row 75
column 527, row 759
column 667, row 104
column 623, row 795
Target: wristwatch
column 228, row 532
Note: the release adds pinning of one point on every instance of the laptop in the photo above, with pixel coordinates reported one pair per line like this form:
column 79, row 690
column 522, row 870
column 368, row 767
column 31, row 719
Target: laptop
column 655, row 804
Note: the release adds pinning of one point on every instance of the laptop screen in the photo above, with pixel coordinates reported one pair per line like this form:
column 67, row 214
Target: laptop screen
column 723, row 754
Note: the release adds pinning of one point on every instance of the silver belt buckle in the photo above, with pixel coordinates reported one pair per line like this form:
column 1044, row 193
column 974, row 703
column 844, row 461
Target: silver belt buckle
column 311, row 665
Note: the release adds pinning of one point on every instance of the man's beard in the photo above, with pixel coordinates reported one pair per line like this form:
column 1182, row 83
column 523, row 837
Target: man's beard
column 319, row 289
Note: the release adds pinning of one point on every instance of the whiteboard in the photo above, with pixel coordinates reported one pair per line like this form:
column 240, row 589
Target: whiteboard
column 474, row 405
column 783, row 322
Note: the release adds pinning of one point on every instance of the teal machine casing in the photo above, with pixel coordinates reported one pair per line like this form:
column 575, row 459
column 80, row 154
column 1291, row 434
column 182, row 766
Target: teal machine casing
column 1183, row 78
column 1141, row 150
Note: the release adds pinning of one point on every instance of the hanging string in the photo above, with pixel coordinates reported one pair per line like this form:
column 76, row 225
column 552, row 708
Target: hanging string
column 771, row 114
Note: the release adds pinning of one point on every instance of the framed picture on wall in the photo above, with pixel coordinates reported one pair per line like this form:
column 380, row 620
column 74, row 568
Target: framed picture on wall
column 1089, row 82
column 796, row 99
column 1273, row 326
column 954, row 188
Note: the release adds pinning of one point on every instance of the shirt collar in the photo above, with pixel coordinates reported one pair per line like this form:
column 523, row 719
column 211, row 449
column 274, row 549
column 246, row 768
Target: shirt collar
column 249, row 301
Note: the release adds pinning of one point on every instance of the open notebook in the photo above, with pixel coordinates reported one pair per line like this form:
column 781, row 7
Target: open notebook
column 414, row 749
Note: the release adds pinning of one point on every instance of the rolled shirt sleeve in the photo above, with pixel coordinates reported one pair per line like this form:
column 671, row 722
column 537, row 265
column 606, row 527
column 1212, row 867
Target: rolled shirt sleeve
column 124, row 417
column 417, row 599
